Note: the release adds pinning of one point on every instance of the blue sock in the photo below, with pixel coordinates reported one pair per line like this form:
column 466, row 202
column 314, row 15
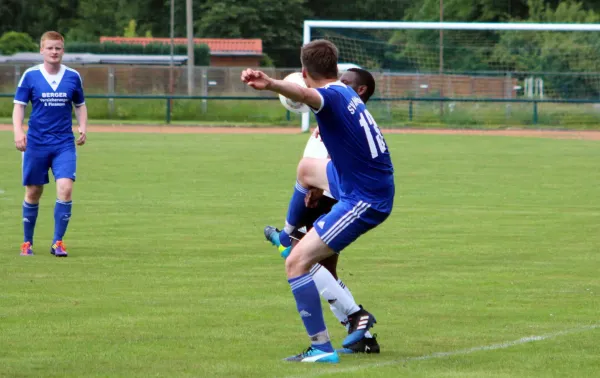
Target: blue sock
column 62, row 215
column 296, row 210
column 30, row 213
column 308, row 304
column 284, row 238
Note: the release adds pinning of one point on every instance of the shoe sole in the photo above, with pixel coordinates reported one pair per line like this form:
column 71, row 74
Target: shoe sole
column 371, row 350
column 331, row 358
column 53, row 253
column 356, row 336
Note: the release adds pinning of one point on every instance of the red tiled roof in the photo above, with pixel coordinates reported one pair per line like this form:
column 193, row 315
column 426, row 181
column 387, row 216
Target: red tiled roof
column 216, row 45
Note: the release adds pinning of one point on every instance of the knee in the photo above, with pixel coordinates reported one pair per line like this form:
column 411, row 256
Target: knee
column 33, row 193
column 303, row 171
column 290, row 264
column 64, row 190
column 295, row 266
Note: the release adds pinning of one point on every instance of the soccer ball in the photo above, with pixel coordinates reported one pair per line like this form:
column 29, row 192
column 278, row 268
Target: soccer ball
column 293, row 106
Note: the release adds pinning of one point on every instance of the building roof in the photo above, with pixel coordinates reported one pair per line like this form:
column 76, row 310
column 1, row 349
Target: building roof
column 217, row 46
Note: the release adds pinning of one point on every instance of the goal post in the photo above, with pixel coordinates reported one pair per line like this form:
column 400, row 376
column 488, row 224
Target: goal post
column 310, row 25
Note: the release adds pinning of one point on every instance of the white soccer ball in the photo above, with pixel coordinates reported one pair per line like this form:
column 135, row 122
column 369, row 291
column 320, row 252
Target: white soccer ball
column 293, row 106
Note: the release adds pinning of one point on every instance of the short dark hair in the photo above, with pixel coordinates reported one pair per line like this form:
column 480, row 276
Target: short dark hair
column 367, row 79
column 320, row 59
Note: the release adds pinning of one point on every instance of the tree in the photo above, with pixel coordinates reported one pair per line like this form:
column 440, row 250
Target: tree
column 129, row 30
column 555, row 52
column 155, row 15
column 278, row 23
column 9, row 10
column 370, row 10
column 35, row 18
column 106, row 21
column 418, row 50
column 13, row 42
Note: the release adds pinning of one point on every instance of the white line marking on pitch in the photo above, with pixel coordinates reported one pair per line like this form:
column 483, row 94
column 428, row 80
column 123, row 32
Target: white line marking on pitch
column 505, row 345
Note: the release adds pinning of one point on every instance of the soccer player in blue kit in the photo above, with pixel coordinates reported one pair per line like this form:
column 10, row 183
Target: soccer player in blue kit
column 53, row 89
column 324, row 274
column 360, row 176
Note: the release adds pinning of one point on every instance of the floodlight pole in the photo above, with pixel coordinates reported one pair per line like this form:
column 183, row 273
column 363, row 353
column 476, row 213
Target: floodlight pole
column 441, row 58
column 306, row 116
column 190, row 46
column 172, row 35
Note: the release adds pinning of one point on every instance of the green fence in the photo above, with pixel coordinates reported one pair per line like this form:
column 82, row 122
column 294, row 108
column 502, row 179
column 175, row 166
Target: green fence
column 389, row 112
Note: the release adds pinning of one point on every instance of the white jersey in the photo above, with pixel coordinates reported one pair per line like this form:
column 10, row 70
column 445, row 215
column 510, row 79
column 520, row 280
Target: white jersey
column 315, row 148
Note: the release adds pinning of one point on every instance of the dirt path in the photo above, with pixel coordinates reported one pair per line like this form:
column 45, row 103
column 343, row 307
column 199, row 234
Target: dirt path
column 588, row 135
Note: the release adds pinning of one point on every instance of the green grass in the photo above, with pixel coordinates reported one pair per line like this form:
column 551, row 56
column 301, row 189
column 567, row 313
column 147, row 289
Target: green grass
column 492, row 239
column 152, row 122
column 481, row 115
column 250, row 112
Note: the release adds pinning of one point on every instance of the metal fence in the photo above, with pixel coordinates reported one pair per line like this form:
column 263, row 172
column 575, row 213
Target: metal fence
column 464, row 99
column 225, row 81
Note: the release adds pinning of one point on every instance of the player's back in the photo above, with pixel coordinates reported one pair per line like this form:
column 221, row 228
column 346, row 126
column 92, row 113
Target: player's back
column 357, row 148
column 51, row 96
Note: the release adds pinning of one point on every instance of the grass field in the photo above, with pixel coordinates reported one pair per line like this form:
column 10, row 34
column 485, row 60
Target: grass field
column 488, row 267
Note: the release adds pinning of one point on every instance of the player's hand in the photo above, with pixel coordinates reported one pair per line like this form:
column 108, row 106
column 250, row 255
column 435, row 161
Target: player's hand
column 316, row 133
column 82, row 137
column 20, row 140
column 256, row 79
column 311, row 200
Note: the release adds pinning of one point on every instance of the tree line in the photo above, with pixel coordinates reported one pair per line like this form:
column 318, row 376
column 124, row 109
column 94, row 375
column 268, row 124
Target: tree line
column 279, row 24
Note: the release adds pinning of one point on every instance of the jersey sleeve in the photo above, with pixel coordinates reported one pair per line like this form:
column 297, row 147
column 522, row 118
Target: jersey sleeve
column 23, row 93
column 78, row 97
column 328, row 97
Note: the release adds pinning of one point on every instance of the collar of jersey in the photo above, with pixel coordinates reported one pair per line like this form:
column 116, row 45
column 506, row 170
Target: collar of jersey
column 338, row 83
column 46, row 73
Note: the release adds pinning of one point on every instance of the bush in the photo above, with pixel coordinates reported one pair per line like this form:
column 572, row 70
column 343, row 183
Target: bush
column 266, row 61
column 79, row 47
column 13, row 42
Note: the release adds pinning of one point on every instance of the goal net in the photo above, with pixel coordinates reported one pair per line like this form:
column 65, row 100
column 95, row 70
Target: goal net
column 474, row 75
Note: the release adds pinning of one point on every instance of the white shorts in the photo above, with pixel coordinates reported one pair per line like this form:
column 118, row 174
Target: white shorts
column 315, row 148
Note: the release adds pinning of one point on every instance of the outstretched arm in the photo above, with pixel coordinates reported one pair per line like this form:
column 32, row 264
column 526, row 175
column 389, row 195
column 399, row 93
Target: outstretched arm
column 82, row 118
column 260, row 81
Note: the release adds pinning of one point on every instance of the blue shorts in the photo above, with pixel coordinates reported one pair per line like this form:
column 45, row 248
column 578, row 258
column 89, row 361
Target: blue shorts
column 347, row 219
column 334, row 181
column 346, row 222
column 37, row 161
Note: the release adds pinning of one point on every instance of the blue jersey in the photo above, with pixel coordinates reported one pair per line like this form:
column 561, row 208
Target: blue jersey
column 356, row 146
column 52, row 98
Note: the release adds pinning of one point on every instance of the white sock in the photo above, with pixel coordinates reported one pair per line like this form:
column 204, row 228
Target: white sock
column 343, row 286
column 340, row 302
column 288, row 228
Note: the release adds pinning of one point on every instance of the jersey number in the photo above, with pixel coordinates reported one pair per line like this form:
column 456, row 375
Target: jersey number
column 367, row 124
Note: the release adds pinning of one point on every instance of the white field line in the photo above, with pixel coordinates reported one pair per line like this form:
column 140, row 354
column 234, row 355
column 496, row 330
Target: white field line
column 505, row 345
